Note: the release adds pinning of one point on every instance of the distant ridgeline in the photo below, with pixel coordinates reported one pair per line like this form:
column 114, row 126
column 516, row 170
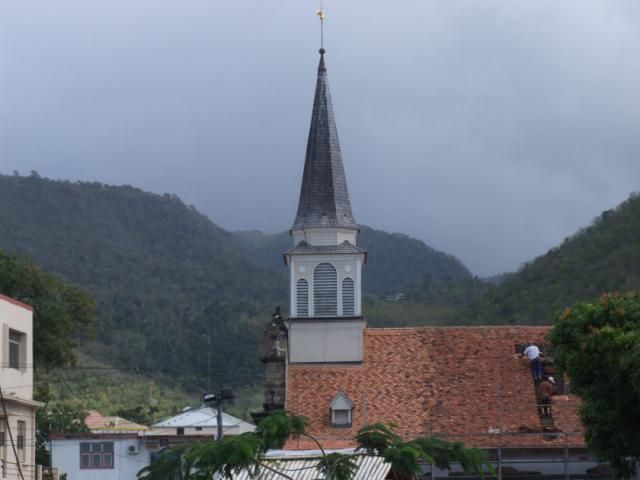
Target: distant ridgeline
column 168, row 280
column 600, row 258
column 172, row 286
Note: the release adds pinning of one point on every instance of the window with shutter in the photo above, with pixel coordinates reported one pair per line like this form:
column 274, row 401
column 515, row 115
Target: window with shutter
column 15, row 342
column 348, row 298
column 325, row 291
column 22, row 433
column 302, row 298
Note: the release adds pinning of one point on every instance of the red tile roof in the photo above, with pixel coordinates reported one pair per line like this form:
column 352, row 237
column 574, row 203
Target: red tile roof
column 96, row 422
column 465, row 383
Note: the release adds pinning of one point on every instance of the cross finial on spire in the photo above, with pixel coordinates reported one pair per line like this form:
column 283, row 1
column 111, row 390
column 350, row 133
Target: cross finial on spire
column 324, row 199
column 320, row 14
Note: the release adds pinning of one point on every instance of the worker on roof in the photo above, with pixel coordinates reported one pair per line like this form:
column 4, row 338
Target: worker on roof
column 545, row 390
column 532, row 352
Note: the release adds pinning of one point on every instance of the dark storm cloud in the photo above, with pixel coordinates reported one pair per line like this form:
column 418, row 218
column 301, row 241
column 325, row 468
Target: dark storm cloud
column 490, row 129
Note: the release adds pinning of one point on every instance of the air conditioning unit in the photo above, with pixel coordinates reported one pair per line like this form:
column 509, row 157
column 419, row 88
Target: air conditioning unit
column 132, row 449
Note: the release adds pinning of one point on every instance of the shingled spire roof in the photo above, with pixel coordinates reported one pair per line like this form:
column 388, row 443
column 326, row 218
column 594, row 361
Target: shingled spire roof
column 324, row 199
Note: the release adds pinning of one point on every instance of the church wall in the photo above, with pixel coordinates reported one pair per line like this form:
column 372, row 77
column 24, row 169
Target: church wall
column 325, row 236
column 346, row 236
column 275, row 382
column 326, row 342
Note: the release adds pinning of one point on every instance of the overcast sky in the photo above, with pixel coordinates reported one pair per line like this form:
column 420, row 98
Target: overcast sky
column 490, row 129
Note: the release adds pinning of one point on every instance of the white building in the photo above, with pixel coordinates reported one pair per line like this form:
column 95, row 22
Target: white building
column 200, row 421
column 18, row 409
column 117, row 449
column 111, row 450
column 98, row 456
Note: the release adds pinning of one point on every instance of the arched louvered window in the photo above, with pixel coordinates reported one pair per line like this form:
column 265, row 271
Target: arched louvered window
column 302, row 298
column 348, row 298
column 325, row 291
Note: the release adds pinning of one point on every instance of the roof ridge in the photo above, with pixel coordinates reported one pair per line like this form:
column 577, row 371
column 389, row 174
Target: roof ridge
column 381, row 330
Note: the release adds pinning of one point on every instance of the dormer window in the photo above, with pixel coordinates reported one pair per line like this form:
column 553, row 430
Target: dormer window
column 341, row 409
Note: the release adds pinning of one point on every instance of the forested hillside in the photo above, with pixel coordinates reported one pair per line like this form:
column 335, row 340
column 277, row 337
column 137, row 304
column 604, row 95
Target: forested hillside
column 600, row 258
column 166, row 279
column 171, row 285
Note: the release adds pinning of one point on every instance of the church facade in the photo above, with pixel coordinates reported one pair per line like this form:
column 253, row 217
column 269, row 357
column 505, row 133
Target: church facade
column 460, row 383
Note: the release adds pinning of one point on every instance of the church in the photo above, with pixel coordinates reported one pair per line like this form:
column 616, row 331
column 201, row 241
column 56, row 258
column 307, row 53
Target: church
column 466, row 384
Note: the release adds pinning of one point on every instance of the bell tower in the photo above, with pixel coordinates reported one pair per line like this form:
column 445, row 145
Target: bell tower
column 325, row 263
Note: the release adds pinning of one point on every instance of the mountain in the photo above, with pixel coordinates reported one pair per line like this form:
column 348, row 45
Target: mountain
column 602, row 257
column 172, row 286
column 179, row 297
column 167, row 280
column 396, row 263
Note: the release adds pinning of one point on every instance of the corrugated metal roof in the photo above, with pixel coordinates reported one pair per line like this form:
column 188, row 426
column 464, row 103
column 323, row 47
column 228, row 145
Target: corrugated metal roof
column 202, row 417
column 304, row 468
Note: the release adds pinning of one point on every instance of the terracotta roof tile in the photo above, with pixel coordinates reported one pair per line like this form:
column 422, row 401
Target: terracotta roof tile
column 96, row 422
column 465, row 383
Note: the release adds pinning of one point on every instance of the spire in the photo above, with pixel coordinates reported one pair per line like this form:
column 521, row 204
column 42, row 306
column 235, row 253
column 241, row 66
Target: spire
column 324, row 199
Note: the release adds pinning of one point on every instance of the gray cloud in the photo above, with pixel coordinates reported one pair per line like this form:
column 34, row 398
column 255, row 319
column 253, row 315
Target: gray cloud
column 489, row 129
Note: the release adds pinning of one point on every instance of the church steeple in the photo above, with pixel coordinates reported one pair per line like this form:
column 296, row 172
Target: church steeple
column 325, row 263
column 324, row 198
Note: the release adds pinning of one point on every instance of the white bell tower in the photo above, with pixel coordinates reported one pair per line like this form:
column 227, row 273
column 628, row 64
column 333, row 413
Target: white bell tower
column 325, row 263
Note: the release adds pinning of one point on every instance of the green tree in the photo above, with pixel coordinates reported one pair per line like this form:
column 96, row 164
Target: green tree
column 61, row 311
column 405, row 456
column 142, row 414
column 59, row 418
column 598, row 346
column 234, row 454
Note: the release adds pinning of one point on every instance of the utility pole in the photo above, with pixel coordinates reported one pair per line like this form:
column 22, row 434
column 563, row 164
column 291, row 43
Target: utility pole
column 219, row 417
column 209, row 360
column 217, row 400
